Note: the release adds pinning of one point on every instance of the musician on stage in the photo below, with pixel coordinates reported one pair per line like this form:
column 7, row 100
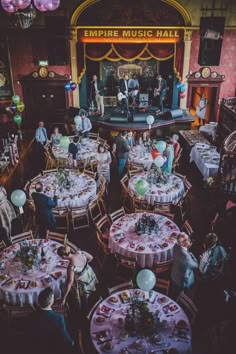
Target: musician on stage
column 97, row 94
column 124, row 90
column 133, row 88
column 159, row 91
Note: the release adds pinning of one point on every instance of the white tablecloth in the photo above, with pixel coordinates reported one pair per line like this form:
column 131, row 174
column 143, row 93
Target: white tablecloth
column 209, row 129
column 172, row 191
column 144, row 248
column 87, row 150
column 140, row 154
column 20, row 288
column 206, row 158
column 174, row 330
column 83, row 189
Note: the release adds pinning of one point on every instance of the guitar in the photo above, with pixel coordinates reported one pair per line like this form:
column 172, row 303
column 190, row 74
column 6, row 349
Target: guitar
column 120, row 96
column 156, row 92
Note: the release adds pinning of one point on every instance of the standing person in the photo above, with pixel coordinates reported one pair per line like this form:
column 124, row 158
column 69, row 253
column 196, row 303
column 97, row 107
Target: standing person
column 104, row 161
column 176, row 144
column 41, row 135
column 97, row 92
column 55, row 136
column 169, row 153
column 184, row 264
column 79, row 273
column 43, row 210
column 73, row 149
column 122, row 151
column 84, row 125
column 124, row 90
column 130, row 139
column 201, row 109
column 133, row 88
column 50, row 333
column 159, row 92
column 7, row 214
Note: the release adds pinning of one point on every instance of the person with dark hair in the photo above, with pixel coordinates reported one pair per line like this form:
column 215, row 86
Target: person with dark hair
column 43, row 210
column 130, row 139
column 7, row 214
column 159, row 87
column 121, row 148
column 169, row 153
column 73, row 149
column 201, row 109
column 55, row 136
column 50, row 333
column 79, row 273
column 124, row 94
column 97, row 92
column 84, row 125
column 104, row 161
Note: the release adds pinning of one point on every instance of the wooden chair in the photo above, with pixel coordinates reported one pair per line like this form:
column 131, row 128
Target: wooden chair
column 140, row 203
column 117, row 214
column 21, row 237
column 177, row 159
column 162, row 207
column 128, row 200
column 126, row 266
column 72, row 246
column 188, row 306
column 186, row 227
column 62, row 217
column 79, row 218
column 162, row 286
column 168, row 215
column 102, row 251
column 161, row 267
column 55, row 236
column 63, row 310
column 134, row 172
column 187, row 185
column 143, row 211
column 92, row 166
column 17, row 317
column 90, row 173
column 93, row 135
column 101, row 141
column 95, row 211
column 35, row 178
column 46, row 172
column 180, row 176
column 50, row 161
column 136, row 166
column 27, row 187
column 103, row 227
column 101, row 194
column 2, row 245
column 120, row 287
column 93, row 309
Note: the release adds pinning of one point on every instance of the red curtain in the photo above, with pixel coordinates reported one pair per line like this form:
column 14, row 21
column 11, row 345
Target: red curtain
column 179, row 58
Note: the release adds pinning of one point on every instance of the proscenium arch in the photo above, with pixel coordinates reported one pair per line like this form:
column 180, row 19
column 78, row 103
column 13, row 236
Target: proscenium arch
column 184, row 13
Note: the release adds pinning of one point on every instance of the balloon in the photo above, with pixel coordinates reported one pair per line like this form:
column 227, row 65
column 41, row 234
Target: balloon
column 21, row 4
column 141, row 186
column 64, row 142
column 13, row 108
column 18, row 198
column 17, row 119
column 150, row 120
column 146, row 279
column 161, row 146
column 155, row 153
column 159, row 161
column 8, row 6
column 15, row 99
column 20, row 106
column 52, row 5
column 40, row 5
column 73, row 86
column 77, row 120
column 67, row 86
column 183, row 88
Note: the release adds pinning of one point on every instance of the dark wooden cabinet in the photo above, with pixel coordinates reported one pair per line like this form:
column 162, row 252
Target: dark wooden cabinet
column 45, row 99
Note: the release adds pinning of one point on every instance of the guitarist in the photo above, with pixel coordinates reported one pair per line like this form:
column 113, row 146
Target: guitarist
column 123, row 94
column 159, row 91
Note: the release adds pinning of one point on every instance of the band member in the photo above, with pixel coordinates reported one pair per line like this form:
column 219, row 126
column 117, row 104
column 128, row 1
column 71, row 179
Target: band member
column 124, row 90
column 133, row 87
column 159, row 91
column 97, row 93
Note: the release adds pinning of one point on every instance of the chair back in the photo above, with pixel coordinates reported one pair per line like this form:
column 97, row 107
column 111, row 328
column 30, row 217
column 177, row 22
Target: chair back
column 90, row 173
column 188, row 306
column 124, row 180
column 161, row 267
column 186, row 227
column 103, row 227
column 162, row 207
column 21, row 237
column 72, row 246
column 117, row 214
column 168, row 215
column 79, row 218
column 162, row 285
column 46, row 172
column 93, row 135
column 122, row 286
column 61, row 215
column 17, row 317
column 133, row 172
column 92, row 310
column 95, row 211
column 55, row 236
column 2, row 245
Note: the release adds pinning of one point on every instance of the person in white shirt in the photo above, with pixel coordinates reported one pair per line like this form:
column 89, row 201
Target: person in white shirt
column 84, row 125
column 98, row 94
column 41, row 135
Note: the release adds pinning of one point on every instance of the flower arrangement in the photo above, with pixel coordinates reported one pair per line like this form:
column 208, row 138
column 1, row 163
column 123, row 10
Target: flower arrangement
column 157, row 175
column 29, row 256
column 62, row 177
column 146, row 225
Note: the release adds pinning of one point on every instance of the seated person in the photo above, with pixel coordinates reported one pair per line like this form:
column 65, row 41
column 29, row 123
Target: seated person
column 73, row 148
column 130, row 139
column 176, row 144
column 84, row 125
column 49, row 333
column 55, row 136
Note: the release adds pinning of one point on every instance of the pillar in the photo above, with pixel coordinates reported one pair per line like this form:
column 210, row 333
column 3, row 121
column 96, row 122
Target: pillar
column 74, row 69
column 187, row 51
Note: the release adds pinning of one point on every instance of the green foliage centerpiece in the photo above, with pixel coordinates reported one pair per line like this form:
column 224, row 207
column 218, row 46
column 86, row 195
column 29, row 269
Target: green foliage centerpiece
column 157, row 176
column 62, row 178
column 29, row 255
column 146, row 225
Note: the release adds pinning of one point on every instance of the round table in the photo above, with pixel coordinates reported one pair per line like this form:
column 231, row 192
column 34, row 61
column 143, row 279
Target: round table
column 145, row 248
column 108, row 324
column 20, row 285
column 82, row 188
column 87, row 150
column 169, row 192
column 141, row 154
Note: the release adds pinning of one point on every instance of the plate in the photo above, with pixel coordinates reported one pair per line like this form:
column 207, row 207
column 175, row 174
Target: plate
column 140, row 344
column 108, row 346
column 181, row 324
column 113, row 300
column 156, row 338
column 33, row 284
column 124, row 335
column 162, row 300
column 99, row 320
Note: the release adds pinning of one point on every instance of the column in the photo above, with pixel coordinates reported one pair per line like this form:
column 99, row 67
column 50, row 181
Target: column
column 74, row 70
column 187, row 50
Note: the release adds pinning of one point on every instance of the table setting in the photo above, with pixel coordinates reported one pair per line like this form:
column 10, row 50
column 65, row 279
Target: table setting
column 73, row 189
column 162, row 187
column 142, row 154
column 140, row 322
column 206, row 158
column 146, row 237
column 29, row 266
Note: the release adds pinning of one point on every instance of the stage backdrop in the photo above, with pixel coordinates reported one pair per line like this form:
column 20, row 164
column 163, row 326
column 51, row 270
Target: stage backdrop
column 6, row 91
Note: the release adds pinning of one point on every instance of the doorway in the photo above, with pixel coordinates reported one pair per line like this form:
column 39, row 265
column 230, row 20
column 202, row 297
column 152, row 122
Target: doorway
column 210, row 93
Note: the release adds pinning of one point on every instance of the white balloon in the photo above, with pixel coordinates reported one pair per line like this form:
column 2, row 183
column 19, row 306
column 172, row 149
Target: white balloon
column 77, row 119
column 159, row 161
column 150, row 120
column 146, row 279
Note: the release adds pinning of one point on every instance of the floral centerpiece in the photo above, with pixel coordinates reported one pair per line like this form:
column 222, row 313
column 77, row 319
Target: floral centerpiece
column 29, row 256
column 62, row 178
column 156, row 176
column 146, row 225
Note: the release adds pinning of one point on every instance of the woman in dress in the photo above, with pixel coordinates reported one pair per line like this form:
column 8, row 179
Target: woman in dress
column 176, row 144
column 7, row 213
column 55, row 137
column 201, row 109
column 104, row 161
column 81, row 278
column 169, row 153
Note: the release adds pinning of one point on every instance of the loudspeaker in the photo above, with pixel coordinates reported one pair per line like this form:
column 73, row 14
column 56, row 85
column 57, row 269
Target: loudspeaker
column 211, row 34
column 118, row 117
column 140, row 117
column 176, row 113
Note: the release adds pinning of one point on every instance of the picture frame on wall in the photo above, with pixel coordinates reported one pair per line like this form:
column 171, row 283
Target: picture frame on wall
column 6, row 88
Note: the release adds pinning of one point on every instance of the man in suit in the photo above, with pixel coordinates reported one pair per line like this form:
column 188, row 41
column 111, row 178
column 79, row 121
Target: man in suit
column 84, row 124
column 41, row 135
column 130, row 139
column 49, row 331
column 124, row 89
column 73, row 149
column 159, row 92
column 97, row 89
column 184, row 263
column 43, row 210
column 121, row 147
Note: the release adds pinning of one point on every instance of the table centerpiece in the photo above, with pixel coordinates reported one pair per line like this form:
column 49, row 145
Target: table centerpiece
column 157, row 176
column 146, row 225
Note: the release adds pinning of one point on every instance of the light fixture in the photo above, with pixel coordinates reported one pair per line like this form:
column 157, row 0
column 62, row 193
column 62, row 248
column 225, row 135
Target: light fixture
column 24, row 10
